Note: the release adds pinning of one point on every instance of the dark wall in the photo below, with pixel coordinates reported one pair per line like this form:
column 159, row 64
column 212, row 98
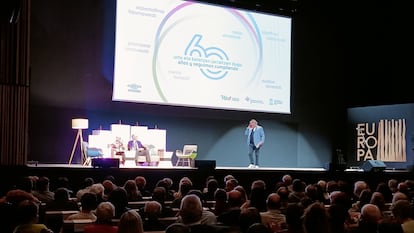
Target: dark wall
column 72, row 48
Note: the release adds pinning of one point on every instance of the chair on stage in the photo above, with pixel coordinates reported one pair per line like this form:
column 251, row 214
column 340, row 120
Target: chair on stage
column 91, row 153
column 185, row 156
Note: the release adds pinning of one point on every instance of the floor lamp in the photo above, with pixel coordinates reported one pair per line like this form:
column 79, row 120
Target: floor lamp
column 79, row 124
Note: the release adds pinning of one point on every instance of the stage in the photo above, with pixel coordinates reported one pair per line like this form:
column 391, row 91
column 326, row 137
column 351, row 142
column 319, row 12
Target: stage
column 76, row 173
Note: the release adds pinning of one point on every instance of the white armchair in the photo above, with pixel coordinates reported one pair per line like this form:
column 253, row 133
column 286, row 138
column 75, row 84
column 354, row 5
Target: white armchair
column 186, row 155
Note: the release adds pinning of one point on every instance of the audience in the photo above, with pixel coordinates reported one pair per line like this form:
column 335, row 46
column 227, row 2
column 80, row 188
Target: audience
column 151, row 215
column 232, row 215
column 259, row 228
column 141, row 183
column 109, row 186
column 119, row 199
column 273, row 218
column 258, row 196
column 105, row 212
column 248, row 217
column 403, row 213
column 42, row 191
column 325, row 206
column 130, row 222
column 177, row 228
column 88, row 205
column 294, row 221
column 316, row 219
column 61, row 201
column 133, row 194
column 27, row 212
column 220, row 204
column 190, row 214
column 369, row 219
column 211, row 187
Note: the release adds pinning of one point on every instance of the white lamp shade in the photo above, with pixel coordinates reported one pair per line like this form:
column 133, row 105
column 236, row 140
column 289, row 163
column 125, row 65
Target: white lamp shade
column 80, row 123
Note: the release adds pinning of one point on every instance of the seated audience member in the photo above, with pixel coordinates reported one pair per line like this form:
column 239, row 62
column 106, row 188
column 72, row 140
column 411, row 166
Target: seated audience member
column 387, row 226
column 62, row 201
column 322, row 187
column 315, row 219
column 207, row 216
column 298, row 191
column 184, row 187
column 88, row 205
column 231, row 184
column 369, row 219
column 141, row 183
column 190, row 213
column 294, row 221
column 27, row 213
column 109, row 186
column 399, row 196
column 220, row 205
column 359, row 185
column 283, row 193
column 63, row 182
column 232, row 215
column 177, row 228
column 402, row 211
column 259, row 228
column 377, row 199
column 151, row 215
column 211, row 187
column 42, row 191
column 130, row 222
column 364, row 198
column 243, row 192
column 169, row 193
column 258, row 195
column 287, row 181
column 273, row 216
column 99, row 190
column 119, row 199
column 133, row 194
column 105, row 212
column 339, row 219
column 383, row 188
column 248, row 217
column 8, row 206
column 87, row 183
column 159, row 195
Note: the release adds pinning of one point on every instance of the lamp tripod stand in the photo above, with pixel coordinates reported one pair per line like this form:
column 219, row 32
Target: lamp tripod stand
column 78, row 138
column 79, row 124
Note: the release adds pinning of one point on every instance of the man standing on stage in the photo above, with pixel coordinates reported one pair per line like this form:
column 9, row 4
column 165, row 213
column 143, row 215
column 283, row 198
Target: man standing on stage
column 255, row 139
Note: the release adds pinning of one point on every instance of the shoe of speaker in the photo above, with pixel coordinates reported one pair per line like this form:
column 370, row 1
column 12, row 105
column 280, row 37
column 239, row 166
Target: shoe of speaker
column 251, row 166
column 256, row 166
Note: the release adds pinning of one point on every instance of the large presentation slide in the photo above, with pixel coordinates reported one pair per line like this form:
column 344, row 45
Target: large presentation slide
column 187, row 53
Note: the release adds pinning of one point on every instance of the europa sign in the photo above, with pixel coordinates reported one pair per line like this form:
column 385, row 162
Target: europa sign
column 383, row 140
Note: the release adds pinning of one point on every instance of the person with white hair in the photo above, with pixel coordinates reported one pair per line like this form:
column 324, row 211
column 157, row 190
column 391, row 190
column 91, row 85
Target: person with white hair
column 105, row 212
column 190, row 214
column 255, row 139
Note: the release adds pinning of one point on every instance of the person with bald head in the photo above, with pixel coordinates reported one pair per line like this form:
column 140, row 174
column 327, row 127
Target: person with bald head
column 273, row 217
column 370, row 219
